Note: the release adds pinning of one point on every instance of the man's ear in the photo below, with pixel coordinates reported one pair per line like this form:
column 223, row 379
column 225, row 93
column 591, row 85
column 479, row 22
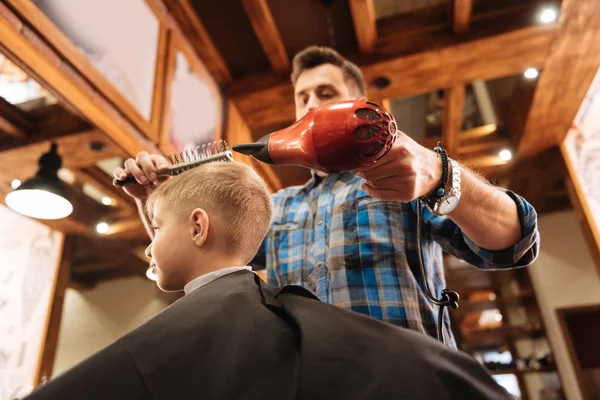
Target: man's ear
column 199, row 226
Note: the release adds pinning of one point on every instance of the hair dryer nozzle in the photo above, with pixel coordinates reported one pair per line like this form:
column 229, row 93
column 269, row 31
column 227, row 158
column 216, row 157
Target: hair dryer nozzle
column 258, row 150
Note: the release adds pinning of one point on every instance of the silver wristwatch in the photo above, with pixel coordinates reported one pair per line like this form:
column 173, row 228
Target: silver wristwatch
column 449, row 201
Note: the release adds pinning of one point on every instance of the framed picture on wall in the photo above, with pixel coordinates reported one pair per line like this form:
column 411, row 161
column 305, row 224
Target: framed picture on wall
column 193, row 102
column 115, row 44
column 581, row 152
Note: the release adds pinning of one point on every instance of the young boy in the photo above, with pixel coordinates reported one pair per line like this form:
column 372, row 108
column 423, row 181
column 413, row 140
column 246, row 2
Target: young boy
column 233, row 337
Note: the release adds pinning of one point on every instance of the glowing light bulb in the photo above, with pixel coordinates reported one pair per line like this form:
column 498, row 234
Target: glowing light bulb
column 107, row 201
column 531, row 73
column 505, row 155
column 548, row 15
column 102, row 227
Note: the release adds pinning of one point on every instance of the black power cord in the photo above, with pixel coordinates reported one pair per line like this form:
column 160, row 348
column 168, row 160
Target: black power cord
column 448, row 297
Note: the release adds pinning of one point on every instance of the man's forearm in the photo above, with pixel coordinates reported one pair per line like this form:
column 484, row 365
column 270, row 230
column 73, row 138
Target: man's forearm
column 144, row 217
column 486, row 214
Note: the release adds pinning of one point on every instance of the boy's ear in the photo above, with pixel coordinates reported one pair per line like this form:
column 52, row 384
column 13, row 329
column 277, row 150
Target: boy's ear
column 199, row 226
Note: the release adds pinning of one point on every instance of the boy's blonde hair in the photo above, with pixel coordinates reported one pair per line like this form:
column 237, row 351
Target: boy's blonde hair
column 230, row 190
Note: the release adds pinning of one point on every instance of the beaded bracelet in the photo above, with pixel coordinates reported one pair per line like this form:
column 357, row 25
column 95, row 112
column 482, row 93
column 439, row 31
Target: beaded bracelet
column 441, row 189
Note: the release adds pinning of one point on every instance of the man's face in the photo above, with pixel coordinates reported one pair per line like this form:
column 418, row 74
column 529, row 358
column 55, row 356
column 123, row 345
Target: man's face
column 170, row 249
column 319, row 86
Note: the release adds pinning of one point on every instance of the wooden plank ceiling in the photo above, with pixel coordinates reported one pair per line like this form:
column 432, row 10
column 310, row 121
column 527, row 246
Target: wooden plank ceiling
column 421, row 47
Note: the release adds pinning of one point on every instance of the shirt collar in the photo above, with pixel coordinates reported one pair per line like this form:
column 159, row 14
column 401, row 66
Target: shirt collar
column 205, row 279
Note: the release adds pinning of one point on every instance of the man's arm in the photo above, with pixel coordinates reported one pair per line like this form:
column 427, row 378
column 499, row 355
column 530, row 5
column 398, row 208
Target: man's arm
column 486, row 214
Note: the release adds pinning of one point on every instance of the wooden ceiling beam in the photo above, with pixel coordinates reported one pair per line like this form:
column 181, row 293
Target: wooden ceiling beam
column 98, row 178
column 237, row 131
column 463, row 11
column 571, row 66
column 454, row 102
column 491, row 144
column 13, row 121
column 188, row 22
column 268, row 35
column 11, row 129
column 127, row 228
column 488, row 58
column 544, row 171
column 431, row 28
column 365, row 24
column 477, row 132
column 457, row 64
column 13, row 114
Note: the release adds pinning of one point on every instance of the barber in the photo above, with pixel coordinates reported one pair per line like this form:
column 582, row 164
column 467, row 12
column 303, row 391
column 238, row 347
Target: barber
column 351, row 238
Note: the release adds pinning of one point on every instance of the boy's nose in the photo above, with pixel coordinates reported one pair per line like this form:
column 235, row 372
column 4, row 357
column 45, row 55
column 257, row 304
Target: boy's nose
column 147, row 251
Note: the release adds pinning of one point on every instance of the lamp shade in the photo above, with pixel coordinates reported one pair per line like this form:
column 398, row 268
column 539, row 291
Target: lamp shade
column 42, row 196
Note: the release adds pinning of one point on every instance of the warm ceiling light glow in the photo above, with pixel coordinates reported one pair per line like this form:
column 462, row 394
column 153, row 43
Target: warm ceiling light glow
column 548, row 15
column 505, row 155
column 15, row 183
column 42, row 196
column 531, row 73
column 150, row 273
column 102, row 227
column 498, row 317
column 492, row 296
column 37, row 203
column 107, row 201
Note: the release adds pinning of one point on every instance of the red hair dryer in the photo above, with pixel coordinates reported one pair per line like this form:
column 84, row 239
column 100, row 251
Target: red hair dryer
column 336, row 137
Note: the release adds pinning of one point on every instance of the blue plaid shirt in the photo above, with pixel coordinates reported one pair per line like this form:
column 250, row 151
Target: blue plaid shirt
column 360, row 253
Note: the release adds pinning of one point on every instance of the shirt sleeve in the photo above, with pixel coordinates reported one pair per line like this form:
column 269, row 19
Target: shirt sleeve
column 444, row 231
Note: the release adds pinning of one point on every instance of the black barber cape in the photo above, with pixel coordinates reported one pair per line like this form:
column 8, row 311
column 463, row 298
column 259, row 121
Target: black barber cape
column 236, row 338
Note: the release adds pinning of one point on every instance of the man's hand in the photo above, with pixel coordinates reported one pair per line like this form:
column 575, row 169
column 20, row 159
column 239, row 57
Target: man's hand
column 144, row 168
column 408, row 171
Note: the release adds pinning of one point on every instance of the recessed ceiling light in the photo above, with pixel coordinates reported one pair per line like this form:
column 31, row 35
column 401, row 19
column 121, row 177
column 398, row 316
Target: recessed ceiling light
column 531, row 73
column 15, row 183
column 102, row 227
column 107, row 201
column 548, row 15
column 505, row 155
column 381, row 82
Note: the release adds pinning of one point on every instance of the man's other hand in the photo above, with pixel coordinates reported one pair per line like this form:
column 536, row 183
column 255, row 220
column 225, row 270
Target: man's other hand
column 144, row 168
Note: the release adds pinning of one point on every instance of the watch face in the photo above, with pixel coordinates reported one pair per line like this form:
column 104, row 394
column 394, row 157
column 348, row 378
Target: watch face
column 448, row 204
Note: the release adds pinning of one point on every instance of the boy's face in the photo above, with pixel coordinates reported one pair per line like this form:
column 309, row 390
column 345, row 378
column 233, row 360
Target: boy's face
column 171, row 250
column 318, row 86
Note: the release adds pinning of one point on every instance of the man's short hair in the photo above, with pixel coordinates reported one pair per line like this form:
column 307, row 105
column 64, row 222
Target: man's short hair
column 230, row 190
column 314, row 56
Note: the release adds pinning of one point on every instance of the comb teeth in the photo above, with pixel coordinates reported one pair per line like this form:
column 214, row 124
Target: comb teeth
column 193, row 157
